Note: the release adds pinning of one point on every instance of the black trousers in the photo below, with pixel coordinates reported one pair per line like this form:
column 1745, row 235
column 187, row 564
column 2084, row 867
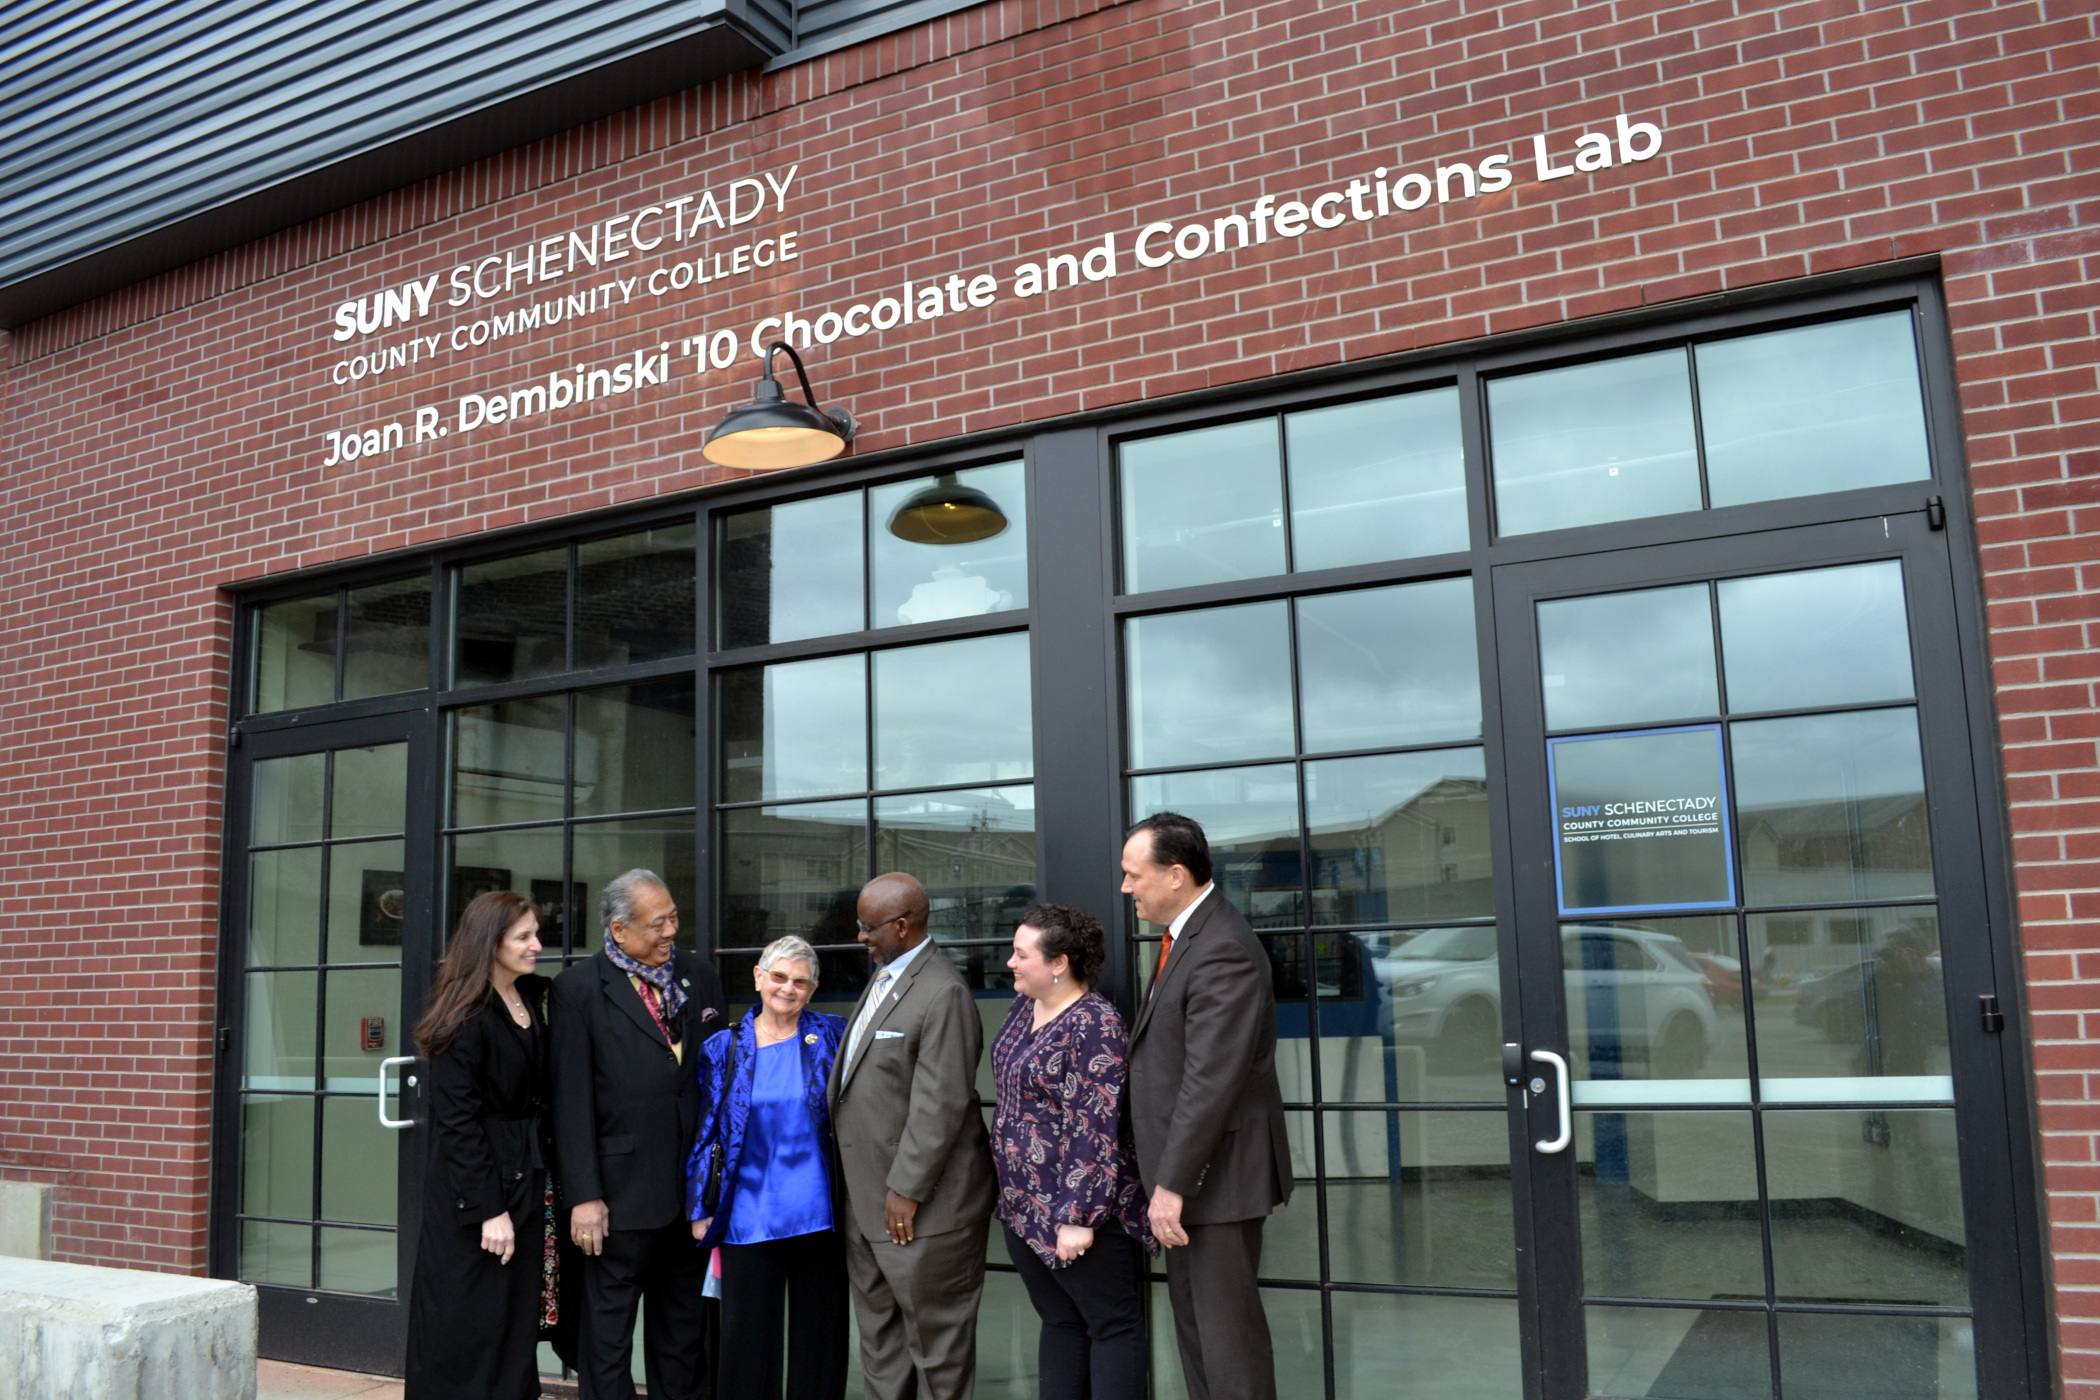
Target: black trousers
column 1093, row 1345
column 661, row 1273
column 1218, row 1318
column 793, row 1289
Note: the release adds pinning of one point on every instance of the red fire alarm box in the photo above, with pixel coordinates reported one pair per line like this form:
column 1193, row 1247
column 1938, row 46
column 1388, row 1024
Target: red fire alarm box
column 371, row 1033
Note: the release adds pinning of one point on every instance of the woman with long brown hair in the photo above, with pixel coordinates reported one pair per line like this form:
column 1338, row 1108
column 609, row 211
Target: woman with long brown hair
column 476, row 1303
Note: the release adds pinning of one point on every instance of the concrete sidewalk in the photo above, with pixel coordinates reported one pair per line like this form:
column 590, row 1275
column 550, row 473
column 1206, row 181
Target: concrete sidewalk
column 281, row 1380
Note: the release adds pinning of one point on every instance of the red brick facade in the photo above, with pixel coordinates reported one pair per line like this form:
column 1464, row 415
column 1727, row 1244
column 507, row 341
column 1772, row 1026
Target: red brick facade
column 167, row 441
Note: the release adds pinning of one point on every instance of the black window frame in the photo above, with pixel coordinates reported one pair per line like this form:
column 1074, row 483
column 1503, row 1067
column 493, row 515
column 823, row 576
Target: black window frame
column 1076, row 611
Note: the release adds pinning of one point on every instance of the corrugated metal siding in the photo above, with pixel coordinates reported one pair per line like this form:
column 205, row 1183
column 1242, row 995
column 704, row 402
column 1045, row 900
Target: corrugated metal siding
column 824, row 25
column 138, row 137
column 118, row 119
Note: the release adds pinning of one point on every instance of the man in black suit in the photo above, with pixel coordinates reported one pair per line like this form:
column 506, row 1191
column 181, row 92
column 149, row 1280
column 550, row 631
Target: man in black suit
column 625, row 1107
column 1205, row 1109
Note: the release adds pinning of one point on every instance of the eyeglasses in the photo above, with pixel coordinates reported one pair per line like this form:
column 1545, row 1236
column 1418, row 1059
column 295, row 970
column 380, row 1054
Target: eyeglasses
column 660, row 924
column 870, row 928
column 781, row 979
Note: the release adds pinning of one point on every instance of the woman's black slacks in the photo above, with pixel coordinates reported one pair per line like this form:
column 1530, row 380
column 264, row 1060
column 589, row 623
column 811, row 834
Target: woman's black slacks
column 795, row 1287
column 1093, row 1345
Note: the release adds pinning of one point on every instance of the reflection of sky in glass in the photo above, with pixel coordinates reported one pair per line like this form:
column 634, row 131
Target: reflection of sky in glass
column 1827, row 758
column 929, row 582
column 1815, row 638
column 1385, row 479
column 971, row 809
column 954, row 712
column 815, row 734
column 1202, row 507
column 1209, row 686
column 1250, row 816
column 1349, row 794
column 1589, row 443
column 1627, row 658
column 791, row 571
column 1832, row 807
column 1389, row 666
column 1812, row 409
column 1235, row 806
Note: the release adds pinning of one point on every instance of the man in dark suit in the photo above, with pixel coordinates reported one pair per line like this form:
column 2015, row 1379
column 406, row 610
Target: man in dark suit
column 626, row 1022
column 915, row 1168
column 1205, row 1109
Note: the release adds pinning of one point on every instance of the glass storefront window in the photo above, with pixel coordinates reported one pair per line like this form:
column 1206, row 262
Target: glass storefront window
column 913, row 582
column 376, row 635
column 533, row 781
column 618, row 601
column 1202, row 507
column 1382, row 479
column 943, row 792
column 1384, row 667
column 1369, row 481
column 1820, row 637
column 1797, row 412
column 1816, row 408
column 789, row 571
column 1611, row 440
column 854, row 560
column 1621, row 659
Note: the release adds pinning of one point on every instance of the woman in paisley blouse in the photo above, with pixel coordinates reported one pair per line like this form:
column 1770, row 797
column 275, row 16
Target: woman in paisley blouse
column 1069, row 1198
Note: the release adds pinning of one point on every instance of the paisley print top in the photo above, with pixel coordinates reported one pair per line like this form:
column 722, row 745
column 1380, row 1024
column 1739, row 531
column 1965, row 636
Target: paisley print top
column 1058, row 1140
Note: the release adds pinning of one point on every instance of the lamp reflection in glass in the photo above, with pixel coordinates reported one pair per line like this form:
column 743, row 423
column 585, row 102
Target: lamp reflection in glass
column 772, row 432
column 947, row 513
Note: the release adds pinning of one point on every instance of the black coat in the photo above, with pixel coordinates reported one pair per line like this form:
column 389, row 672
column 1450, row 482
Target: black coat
column 625, row 1108
column 473, row 1320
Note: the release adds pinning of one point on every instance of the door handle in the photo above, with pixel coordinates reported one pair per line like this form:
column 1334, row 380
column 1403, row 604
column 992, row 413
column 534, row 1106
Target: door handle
column 1567, row 1121
column 387, row 1065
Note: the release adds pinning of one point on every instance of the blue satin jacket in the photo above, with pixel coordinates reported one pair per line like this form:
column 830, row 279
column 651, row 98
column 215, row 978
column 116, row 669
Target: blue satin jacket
column 726, row 1107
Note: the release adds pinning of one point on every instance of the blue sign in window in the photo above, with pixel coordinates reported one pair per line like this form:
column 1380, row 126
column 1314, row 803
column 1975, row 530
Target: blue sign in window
column 1640, row 821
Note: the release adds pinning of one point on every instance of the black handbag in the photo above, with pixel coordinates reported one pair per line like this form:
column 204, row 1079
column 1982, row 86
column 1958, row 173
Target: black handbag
column 711, row 1189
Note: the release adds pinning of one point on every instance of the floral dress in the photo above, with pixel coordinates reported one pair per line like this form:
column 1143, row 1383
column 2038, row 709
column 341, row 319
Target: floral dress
column 1058, row 1140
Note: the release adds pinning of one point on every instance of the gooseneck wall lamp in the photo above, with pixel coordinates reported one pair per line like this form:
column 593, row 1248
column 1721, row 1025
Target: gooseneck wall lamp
column 773, row 432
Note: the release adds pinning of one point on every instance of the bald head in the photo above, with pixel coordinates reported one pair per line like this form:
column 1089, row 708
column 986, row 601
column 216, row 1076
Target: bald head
column 892, row 910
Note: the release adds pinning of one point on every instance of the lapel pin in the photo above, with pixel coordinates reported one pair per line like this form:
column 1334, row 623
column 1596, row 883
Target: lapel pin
column 810, row 1039
column 685, row 982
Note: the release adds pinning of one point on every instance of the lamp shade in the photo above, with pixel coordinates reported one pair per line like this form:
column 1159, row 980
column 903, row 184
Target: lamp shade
column 773, row 432
column 947, row 512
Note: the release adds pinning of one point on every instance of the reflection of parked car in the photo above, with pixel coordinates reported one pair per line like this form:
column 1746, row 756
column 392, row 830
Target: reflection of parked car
column 1636, row 995
column 1442, row 990
column 1890, row 1004
column 1632, row 995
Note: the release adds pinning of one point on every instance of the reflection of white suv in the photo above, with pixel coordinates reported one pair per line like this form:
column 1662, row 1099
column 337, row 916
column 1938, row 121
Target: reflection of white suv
column 1628, row 990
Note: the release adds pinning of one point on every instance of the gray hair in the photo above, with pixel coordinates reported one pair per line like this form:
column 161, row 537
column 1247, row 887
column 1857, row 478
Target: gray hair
column 616, row 900
column 790, row 949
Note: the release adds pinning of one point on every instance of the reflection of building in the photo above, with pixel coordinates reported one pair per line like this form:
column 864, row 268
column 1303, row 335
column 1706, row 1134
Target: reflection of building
column 1872, row 848
column 1427, row 858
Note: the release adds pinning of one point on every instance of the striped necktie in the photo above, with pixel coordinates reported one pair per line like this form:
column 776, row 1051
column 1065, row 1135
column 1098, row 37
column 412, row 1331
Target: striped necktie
column 876, row 993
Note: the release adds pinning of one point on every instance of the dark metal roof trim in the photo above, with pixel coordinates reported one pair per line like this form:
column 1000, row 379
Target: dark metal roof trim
column 111, row 171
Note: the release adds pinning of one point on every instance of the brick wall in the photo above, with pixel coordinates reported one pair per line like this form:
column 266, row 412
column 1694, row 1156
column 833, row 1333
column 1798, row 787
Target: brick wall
column 166, row 441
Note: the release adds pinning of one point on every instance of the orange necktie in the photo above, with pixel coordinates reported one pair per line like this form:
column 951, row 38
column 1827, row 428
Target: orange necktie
column 1166, row 945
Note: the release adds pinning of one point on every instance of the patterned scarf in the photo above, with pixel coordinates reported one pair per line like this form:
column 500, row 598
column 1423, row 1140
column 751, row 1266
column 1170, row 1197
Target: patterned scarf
column 667, row 989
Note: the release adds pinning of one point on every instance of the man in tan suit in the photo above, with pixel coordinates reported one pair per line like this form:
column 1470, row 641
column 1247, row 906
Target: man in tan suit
column 1206, row 1112
column 915, row 1169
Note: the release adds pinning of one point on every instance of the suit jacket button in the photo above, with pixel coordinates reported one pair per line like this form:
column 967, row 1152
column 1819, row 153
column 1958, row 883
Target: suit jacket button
column 462, row 1205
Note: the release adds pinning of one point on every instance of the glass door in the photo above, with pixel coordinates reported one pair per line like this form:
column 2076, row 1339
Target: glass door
column 328, row 953
column 1751, row 921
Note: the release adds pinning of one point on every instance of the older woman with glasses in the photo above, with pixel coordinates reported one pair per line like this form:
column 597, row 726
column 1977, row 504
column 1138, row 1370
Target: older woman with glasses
column 759, row 1187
